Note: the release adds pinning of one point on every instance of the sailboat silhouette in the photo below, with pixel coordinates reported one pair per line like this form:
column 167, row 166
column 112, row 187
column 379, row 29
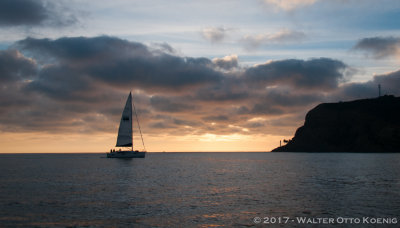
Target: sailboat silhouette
column 124, row 138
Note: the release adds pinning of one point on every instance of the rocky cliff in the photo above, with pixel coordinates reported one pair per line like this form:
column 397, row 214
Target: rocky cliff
column 369, row 125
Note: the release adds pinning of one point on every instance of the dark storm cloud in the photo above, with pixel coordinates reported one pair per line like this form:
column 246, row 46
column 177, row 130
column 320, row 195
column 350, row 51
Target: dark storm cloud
column 379, row 47
column 15, row 72
column 82, row 77
column 123, row 63
column 34, row 12
column 167, row 72
column 73, row 84
column 60, row 82
column 21, row 12
column 14, row 66
column 129, row 64
column 322, row 73
column 77, row 49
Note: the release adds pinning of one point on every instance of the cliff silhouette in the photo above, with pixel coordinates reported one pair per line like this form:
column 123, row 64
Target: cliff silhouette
column 368, row 125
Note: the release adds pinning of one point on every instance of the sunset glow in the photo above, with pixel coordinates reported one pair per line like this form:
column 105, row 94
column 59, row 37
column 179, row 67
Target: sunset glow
column 205, row 75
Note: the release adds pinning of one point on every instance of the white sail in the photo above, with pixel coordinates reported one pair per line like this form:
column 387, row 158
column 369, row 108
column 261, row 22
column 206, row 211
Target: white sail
column 125, row 127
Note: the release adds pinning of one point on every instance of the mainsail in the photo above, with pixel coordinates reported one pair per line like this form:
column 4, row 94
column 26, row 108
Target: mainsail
column 125, row 126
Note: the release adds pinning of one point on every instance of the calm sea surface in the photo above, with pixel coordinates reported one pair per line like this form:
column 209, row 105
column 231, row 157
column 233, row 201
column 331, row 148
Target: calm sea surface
column 197, row 189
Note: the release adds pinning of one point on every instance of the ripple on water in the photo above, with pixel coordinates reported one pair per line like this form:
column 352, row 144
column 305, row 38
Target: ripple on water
column 194, row 189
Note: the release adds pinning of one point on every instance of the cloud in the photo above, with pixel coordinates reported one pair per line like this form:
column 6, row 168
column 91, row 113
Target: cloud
column 390, row 84
column 379, row 47
column 322, row 73
column 289, row 5
column 120, row 62
column 61, row 82
column 229, row 90
column 214, row 34
column 34, row 12
column 164, row 104
column 265, row 109
column 281, row 37
column 22, row 12
column 161, row 125
column 286, row 98
column 228, row 62
column 65, row 83
column 216, row 118
column 277, row 101
column 16, row 71
column 78, row 49
column 79, row 84
column 184, row 122
column 164, row 48
column 15, row 67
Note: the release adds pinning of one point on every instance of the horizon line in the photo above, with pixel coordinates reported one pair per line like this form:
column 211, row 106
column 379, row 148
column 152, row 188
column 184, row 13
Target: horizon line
column 257, row 151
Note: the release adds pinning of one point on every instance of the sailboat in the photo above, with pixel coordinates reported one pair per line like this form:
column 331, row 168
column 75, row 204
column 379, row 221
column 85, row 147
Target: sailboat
column 124, row 138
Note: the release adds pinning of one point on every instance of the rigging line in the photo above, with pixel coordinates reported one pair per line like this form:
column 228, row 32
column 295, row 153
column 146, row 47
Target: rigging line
column 137, row 120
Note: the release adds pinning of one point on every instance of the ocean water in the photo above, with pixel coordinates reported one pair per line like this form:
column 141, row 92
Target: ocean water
column 199, row 190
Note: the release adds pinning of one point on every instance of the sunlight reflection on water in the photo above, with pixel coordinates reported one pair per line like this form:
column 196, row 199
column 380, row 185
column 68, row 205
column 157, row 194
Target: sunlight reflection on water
column 194, row 189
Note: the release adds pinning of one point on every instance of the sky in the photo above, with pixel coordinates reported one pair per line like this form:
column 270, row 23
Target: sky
column 228, row 75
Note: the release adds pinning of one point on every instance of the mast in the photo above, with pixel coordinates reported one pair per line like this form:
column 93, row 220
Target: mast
column 379, row 90
column 130, row 94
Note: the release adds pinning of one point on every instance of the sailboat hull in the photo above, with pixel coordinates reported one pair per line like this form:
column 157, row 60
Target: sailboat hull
column 126, row 154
